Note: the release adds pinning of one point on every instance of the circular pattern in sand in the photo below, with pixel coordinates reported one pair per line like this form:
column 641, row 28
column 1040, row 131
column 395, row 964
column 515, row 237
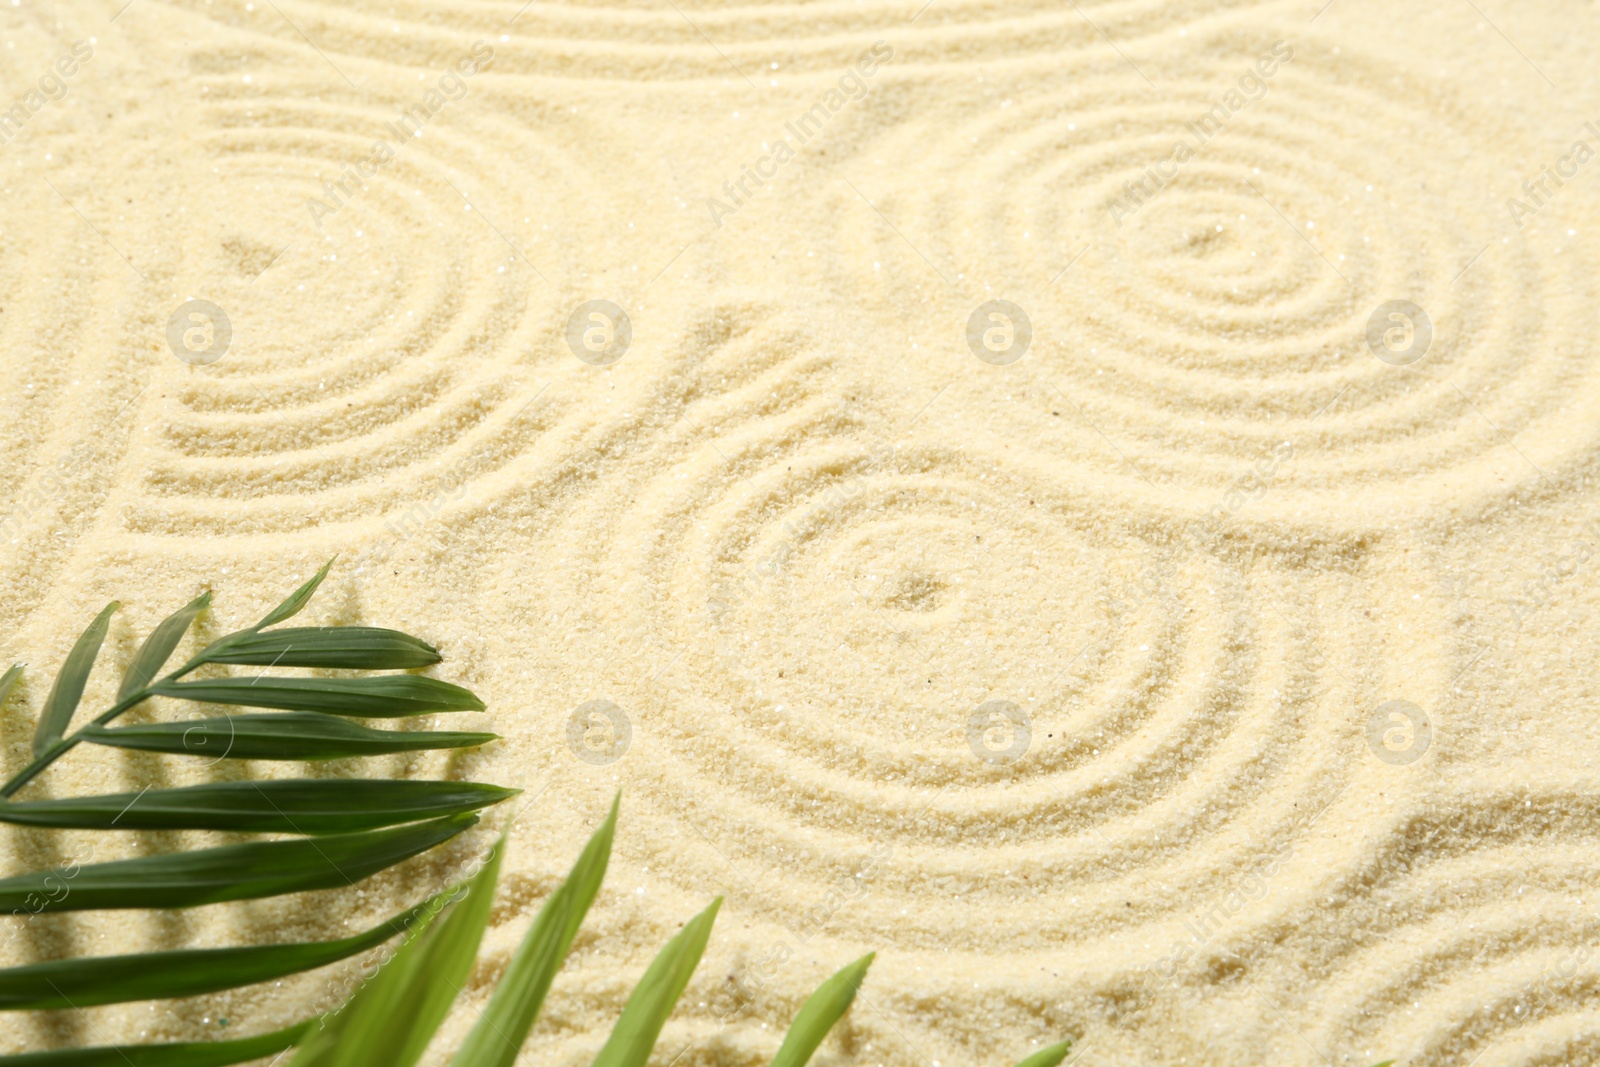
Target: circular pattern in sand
column 1202, row 260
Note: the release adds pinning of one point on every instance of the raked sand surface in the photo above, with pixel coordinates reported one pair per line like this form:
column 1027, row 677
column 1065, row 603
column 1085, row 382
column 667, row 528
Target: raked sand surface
column 1065, row 677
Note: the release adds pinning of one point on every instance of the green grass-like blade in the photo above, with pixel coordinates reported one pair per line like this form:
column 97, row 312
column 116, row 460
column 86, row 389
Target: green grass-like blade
column 296, row 600
column 189, row 1054
column 370, row 648
column 497, row 1036
column 232, row 872
column 280, row 806
column 85, row 982
column 658, row 991
column 1048, row 1056
column 392, row 1018
column 818, row 1014
column 7, row 681
column 295, row 735
column 157, row 648
column 386, row 696
column 68, row 687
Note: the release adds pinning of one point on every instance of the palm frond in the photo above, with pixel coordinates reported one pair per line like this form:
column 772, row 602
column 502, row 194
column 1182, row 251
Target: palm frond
column 500, row 1031
column 340, row 830
column 296, row 735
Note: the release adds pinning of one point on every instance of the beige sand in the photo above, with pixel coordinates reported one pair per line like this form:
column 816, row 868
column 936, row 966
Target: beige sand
column 1197, row 538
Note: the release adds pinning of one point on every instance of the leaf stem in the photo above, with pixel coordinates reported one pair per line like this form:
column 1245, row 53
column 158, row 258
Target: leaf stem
column 71, row 741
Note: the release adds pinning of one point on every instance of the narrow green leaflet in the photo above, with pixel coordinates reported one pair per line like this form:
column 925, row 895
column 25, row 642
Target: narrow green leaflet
column 497, row 1036
column 157, row 648
column 7, row 681
column 232, row 872
column 297, row 600
column 295, row 735
column 280, row 806
column 1048, row 1056
column 84, row 982
column 392, row 1018
column 68, row 687
column 369, row 648
column 656, row 994
column 820, row 1011
column 386, row 696
column 191, row 1054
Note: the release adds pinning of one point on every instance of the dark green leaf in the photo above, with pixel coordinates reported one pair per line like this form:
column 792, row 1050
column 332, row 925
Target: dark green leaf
column 820, row 1011
column 498, row 1034
column 369, row 648
column 232, row 872
column 297, row 600
column 157, row 648
column 276, row 806
column 189, row 1054
column 387, row 696
column 656, row 994
column 294, row 735
column 7, row 681
column 392, row 1018
column 1048, row 1056
column 68, row 687
column 83, row 982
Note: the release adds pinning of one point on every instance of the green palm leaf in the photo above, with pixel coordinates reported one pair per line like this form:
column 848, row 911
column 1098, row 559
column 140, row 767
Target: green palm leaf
column 83, row 983
column 391, row 1019
column 657, row 993
column 497, row 1036
column 369, row 648
column 9, row 680
column 296, row 735
column 295, row 601
column 386, row 696
column 157, row 648
column 189, row 1054
column 232, row 872
column 821, row 1010
column 280, row 806
column 68, row 688
column 1048, row 1056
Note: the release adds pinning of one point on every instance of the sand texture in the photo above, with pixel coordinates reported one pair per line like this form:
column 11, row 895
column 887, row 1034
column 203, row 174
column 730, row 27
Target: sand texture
column 1202, row 667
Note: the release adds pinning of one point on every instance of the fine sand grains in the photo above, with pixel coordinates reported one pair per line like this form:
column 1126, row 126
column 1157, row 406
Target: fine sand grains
column 1191, row 655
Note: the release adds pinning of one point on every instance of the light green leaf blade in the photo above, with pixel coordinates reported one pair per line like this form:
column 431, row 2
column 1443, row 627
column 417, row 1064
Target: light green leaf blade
column 497, row 1036
column 370, row 648
column 157, row 648
column 818, row 1014
column 1048, row 1056
column 297, row 600
column 389, row 696
column 657, row 993
column 295, row 735
column 231, row 872
column 86, row 981
column 188, row 1054
column 392, row 1018
column 277, row 806
column 68, row 687
column 7, row 681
